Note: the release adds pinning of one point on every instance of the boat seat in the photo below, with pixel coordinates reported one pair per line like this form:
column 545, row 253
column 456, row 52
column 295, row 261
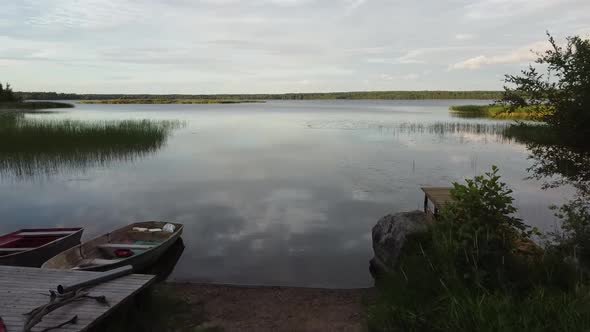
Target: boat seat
column 14, row 249
column 96, row 262
column 32, row 233
column 126, row 246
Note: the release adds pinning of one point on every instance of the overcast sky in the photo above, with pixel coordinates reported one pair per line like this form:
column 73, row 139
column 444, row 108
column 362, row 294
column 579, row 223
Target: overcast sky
column 275, row 46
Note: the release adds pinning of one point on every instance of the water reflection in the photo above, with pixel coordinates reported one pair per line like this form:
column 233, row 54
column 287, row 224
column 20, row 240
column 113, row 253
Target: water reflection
column 31, row 147
column 554, row 162
column 277, row 193
column 558, row 164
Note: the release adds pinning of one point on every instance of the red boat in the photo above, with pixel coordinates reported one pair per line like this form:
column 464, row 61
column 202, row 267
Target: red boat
column 32, row 247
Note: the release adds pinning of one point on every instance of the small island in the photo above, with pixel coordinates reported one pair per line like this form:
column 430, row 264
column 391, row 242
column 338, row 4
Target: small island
column 9, row 102
column 168, row 101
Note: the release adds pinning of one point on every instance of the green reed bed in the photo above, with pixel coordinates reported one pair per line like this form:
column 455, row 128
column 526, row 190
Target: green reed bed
column 30, row 147
column 168, row 101
column 533, row 113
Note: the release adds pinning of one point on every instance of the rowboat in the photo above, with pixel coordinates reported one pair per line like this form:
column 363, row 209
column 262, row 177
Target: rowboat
column 32, row 247
column 139, row 245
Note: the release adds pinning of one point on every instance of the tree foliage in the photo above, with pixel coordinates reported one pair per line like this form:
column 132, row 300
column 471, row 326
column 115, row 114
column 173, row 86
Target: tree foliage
column 6, row 94
column 564, row 88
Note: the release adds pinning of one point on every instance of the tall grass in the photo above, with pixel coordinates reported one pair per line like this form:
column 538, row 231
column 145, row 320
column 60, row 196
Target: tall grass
column 427, row 293
column 30, row 147
column 500, row 112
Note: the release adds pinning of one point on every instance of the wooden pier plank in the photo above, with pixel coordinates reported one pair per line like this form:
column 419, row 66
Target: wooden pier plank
column 439, row 196
column 23, row 289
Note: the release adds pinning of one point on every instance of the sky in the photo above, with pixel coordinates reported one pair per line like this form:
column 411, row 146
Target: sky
column 275, row 46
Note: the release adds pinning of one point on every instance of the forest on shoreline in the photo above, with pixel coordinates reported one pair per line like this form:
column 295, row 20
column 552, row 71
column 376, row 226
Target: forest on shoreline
column 362, row 95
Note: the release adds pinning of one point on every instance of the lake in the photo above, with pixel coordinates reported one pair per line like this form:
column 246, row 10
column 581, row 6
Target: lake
column 280, row 193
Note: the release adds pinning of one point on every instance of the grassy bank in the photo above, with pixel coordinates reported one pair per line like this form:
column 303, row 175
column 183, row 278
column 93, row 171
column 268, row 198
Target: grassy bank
column 500, row 112
column 32, row 105
column 168, row 101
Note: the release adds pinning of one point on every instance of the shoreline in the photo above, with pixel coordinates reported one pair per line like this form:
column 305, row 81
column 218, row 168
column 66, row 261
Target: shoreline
column 184, row 306
column 32, row 106
column 271, row 308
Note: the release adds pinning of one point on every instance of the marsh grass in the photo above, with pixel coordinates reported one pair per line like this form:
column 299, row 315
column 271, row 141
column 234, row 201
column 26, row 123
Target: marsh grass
column 441, row 128
column 532, row 113
column 451, row 128
column 168, row 101
column 32, row 146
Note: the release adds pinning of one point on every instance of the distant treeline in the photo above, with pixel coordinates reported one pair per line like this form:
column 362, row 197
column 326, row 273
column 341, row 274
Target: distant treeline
column 169, row 101
column 391, row 95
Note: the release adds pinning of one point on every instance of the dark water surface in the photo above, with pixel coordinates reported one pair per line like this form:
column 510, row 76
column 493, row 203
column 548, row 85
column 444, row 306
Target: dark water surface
column 282, row 193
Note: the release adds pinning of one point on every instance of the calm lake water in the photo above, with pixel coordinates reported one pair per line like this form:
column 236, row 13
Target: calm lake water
column 281, row 193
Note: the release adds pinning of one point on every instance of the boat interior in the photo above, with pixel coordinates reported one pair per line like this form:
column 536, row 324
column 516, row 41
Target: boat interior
column 27, row 239
column 114, row 247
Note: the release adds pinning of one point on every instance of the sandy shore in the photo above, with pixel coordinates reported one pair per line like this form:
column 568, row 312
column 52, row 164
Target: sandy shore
column 235, row 308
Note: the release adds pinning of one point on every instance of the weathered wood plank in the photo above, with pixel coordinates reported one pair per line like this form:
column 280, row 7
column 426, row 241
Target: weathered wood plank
column 22, row 289
column 439, row 196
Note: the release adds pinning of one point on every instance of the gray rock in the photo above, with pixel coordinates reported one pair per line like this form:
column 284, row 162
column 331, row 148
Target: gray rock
column 389, row 236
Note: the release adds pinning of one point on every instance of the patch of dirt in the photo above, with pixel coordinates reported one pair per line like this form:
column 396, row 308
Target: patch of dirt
column 235, row 308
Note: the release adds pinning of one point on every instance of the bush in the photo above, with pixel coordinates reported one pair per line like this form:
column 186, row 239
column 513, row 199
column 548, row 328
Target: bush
column 573, row 239
column 466, row 273
column 478, row 231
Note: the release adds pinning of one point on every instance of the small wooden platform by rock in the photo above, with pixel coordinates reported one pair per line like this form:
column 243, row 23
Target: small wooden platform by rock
column 438, row 196
column 23, row 289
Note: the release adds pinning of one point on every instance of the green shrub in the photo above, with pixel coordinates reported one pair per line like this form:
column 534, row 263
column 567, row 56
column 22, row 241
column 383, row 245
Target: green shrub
column 466, row 273
column 478, row 231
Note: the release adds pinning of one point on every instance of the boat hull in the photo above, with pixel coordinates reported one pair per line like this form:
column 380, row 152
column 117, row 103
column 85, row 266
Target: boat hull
column 36, row 257
column 73, row 257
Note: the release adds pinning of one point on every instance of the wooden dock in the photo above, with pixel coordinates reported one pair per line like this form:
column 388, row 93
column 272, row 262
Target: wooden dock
column 23, row 289
column 438, row 197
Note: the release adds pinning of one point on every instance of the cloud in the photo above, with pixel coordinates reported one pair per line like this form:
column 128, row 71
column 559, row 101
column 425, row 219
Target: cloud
column 225, row 46
column 525, row 54
column 352, row 5
column 464, row 36
column 405, row 77
column 422, row 55
column 492, row 9
column 92, row 14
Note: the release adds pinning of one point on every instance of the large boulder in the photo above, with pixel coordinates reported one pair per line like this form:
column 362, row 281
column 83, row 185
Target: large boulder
column 389, row 236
